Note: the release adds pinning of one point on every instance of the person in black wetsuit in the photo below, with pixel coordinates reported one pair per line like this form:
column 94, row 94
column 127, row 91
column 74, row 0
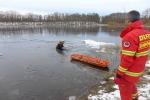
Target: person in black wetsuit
column 60, row 45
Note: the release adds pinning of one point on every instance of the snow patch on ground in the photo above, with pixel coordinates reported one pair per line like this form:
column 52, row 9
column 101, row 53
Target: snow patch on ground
column 144, row 91
column 97, row 45
column 148, row 64
column 112, row 78
column 147, row 77
column 105, row 96
column 116, row 87
column 103, row 82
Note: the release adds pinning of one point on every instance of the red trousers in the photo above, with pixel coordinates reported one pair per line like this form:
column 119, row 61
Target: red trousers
column 128, row 90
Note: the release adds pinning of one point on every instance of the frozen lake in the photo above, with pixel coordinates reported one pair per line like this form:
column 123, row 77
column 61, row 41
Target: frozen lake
column 32, row 69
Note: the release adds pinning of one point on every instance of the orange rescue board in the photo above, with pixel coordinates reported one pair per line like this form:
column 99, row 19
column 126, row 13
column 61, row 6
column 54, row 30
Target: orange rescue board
column 90, row 60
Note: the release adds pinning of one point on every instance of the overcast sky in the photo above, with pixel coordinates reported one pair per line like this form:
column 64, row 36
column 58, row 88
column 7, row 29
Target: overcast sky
column 102, row 7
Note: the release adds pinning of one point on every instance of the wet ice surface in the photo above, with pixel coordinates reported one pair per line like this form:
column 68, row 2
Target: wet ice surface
column 31, row 68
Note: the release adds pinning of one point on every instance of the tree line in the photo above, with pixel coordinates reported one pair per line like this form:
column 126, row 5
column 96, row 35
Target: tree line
column 120, row 17
column 146, row 16
column 12, row 16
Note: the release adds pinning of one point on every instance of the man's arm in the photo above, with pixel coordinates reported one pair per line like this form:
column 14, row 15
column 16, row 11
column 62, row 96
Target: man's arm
column 128, row 52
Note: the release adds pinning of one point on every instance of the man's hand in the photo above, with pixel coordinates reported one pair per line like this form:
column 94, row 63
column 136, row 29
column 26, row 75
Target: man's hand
column 117, row 79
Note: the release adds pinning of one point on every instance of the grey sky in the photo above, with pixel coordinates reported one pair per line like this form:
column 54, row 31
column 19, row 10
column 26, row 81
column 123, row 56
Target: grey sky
column 102, row 7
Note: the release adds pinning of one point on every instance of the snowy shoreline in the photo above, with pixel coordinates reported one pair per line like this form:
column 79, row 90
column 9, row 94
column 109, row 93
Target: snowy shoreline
column 144, row 90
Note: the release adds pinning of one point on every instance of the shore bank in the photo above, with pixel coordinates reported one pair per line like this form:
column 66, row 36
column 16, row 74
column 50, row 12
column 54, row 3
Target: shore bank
column 107, row 90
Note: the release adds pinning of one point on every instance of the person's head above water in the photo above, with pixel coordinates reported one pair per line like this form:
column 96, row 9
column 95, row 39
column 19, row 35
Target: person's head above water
column 62, row 41
column 133, row 16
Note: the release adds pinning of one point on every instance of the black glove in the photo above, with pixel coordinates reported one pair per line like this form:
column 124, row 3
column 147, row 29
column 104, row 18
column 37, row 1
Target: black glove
column 118, row 76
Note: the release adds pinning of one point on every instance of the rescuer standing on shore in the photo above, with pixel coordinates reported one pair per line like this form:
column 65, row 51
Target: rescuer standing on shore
column 134, row 54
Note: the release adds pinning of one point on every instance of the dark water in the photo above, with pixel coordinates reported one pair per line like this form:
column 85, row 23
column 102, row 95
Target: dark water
column 31, row 68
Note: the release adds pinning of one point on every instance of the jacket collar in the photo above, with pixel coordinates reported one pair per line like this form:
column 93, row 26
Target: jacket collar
column 135, row 25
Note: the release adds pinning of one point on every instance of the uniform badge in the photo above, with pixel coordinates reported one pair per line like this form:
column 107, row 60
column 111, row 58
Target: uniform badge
column 126, row 44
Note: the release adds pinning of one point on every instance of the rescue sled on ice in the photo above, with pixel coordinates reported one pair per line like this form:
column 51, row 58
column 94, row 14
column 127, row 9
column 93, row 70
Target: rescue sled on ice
column 90, row 60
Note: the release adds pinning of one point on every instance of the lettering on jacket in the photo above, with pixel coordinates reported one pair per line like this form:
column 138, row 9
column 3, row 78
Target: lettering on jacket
column 144, row 41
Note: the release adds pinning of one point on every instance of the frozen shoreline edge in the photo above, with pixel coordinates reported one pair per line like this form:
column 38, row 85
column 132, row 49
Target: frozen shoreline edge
column 144, row 90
